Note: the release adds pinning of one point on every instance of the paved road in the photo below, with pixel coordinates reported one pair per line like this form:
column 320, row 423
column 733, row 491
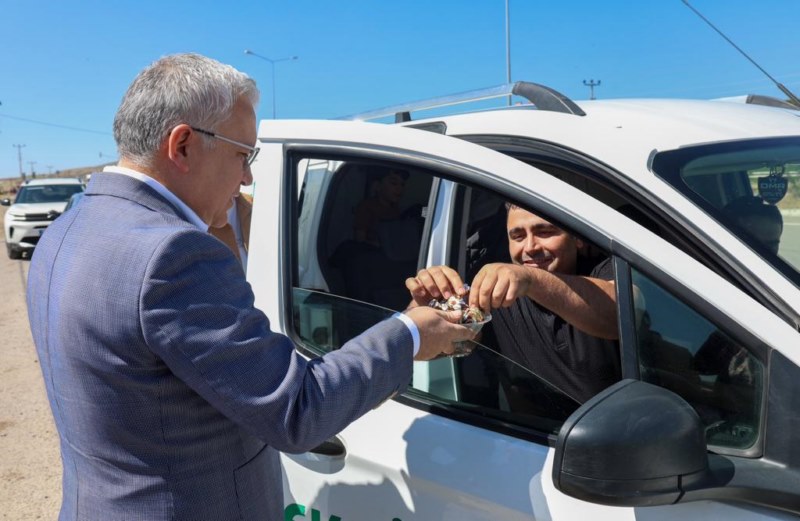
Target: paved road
column 30, row 466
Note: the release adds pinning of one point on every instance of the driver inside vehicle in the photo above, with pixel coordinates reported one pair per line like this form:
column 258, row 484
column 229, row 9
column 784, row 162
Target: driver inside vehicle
column 554, row 310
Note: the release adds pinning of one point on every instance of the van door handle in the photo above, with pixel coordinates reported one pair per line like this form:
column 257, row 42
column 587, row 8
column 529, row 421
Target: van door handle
column 326, row 458
column 331, row 448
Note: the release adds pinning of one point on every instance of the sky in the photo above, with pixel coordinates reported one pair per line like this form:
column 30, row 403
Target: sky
column 65, row 65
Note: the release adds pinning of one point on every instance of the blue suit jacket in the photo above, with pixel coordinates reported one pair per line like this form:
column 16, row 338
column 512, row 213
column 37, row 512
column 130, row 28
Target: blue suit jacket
column 170, row 393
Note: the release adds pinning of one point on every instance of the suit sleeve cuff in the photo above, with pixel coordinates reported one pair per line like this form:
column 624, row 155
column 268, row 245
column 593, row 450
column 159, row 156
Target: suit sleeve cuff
column 412, row 328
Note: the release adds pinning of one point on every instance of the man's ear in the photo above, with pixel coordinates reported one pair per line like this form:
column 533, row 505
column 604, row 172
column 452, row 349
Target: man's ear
column 180, row 143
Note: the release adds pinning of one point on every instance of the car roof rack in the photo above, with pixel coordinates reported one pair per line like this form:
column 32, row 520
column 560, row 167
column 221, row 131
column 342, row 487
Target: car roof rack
column 760, row 99
column 542, row 97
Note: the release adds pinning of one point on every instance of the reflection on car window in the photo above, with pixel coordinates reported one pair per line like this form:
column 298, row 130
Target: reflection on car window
column 485, row 382
column 361, row 229
column 750, row 187
column 682, row 351
column 325, row 322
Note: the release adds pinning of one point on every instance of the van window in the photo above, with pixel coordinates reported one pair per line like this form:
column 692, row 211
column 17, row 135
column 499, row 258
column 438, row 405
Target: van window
column 684, row 352
column 750, row 187
column 359, row 235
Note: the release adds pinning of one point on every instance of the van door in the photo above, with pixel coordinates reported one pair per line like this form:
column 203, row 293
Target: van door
column 326, row 262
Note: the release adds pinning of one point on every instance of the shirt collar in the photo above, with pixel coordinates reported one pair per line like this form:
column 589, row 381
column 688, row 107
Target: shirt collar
column 162, row 190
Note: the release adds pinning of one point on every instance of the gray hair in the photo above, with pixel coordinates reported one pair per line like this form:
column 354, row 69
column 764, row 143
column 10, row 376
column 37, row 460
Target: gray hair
column 181, row 88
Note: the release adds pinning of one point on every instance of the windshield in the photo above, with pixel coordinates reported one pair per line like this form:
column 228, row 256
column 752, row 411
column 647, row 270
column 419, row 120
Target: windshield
column 47, row 193
column 750, row 187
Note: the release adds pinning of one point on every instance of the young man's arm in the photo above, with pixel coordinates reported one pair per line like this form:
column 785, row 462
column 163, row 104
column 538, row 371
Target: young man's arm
column 587, row 303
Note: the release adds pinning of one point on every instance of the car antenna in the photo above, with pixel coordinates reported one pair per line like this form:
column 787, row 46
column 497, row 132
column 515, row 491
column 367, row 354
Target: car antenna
column 794, row 99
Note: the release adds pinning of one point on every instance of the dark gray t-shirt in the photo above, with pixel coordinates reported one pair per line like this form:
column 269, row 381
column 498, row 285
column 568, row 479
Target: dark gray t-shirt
column 574, row 362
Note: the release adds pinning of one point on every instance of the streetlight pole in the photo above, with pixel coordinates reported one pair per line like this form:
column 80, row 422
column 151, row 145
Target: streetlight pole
column 508, row 50
column 272, row 63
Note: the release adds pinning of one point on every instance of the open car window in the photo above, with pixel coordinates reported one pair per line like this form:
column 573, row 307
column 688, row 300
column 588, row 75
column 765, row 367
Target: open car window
column 360, row 232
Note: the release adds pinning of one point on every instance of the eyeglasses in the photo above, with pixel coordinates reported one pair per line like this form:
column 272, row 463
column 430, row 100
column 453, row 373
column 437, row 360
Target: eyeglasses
column 251, row 156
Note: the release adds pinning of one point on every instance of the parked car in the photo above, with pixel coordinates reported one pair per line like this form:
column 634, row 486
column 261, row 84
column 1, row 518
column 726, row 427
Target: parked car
column 702, row 423
column 37, row 204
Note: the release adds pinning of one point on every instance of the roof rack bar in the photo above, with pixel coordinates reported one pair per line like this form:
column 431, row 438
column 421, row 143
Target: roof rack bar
column 760, row 99
column 544, row 98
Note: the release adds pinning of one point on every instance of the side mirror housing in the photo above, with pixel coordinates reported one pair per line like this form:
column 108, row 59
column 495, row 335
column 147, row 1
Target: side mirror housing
column 634, row 444
column 5, row 202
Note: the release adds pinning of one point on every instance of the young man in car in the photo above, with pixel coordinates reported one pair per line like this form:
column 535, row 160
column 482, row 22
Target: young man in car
column 553, row 310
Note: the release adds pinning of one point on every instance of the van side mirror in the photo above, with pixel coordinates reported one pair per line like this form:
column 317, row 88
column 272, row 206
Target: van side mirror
column 5, row 202
column 634, row 444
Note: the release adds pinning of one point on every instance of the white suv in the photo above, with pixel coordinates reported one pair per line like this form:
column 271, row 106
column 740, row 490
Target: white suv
column 37, row 204
column 705, row 419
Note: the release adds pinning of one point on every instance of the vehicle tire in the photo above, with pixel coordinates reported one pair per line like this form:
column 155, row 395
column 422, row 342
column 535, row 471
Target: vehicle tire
column 13, row 253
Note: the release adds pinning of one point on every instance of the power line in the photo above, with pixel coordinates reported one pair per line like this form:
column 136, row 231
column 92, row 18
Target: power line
column 56, row 125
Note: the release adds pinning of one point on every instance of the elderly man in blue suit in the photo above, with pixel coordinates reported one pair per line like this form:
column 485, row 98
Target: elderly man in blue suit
column 170, row 393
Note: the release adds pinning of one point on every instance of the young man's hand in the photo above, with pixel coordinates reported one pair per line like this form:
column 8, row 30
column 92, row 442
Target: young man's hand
column 498, row 285
column 436, row 282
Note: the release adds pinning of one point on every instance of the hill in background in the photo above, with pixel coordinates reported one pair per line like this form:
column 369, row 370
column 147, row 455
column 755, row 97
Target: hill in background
column 7, row 185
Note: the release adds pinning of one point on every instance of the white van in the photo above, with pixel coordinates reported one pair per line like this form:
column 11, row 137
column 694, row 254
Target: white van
column 703, row 423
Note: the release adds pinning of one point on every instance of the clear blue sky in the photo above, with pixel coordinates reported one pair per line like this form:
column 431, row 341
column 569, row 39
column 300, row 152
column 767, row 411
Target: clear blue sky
column 68, row 63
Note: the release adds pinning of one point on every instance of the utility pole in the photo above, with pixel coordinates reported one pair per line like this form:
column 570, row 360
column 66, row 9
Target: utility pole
column 49, row 169
column 33, row 173
column 19, row 157
column 591, row 84
column 508, row 49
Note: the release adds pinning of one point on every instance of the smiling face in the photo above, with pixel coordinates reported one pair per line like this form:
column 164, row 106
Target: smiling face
column 536, row 243
column 219, row 171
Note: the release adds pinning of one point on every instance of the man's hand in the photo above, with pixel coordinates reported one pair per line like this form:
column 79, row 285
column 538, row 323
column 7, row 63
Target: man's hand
column 438, row 330
column 434, row 283
column 499, row 285
column 587, row 303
